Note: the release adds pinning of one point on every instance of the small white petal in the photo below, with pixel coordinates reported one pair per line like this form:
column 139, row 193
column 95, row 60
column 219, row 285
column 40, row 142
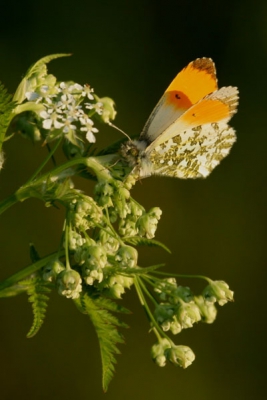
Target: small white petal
column 44, row 114
column 47, row 123
column 90, row 137
column 58, row 124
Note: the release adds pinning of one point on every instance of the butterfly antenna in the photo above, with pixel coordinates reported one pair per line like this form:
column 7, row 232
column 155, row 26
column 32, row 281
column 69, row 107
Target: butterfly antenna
column 118, row 129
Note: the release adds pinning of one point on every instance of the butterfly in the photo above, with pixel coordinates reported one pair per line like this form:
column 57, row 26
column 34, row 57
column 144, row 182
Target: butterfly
column 187, row 133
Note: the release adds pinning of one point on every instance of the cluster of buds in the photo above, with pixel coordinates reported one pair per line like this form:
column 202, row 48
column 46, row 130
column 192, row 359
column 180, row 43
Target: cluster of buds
column 180, row 309
column 164, row 350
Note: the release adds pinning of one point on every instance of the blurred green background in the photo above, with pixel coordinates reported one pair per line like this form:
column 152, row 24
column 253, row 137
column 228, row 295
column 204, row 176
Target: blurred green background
column 130, row 51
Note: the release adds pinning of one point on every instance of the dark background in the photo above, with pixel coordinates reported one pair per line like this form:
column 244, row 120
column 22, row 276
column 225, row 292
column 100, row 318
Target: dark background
column 131, row 51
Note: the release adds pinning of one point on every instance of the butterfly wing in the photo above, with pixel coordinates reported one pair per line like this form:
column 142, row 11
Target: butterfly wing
column 193, row 83
column 195, row 152
column 197, row 141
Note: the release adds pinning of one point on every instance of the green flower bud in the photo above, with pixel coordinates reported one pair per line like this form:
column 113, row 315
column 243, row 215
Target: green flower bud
column 116, row 291
column 175, row 326
column 75, row 240
column 188, row 314
column 96, row 256
column 120, row 197
column 136, row 210
column 166, row 287
column 69, row 284
column 81, row 252
column 90, row 276
column 181, row 292
column 127, row 227
column 182, row 356
column 218, row 291
column 109, row 242
column 127, row 257
column 104, row 192
column 158, row 352
column 130, row 181
column 51, row 270
column 207, row 310
column 148, row 222
column 108, row 111
column 164, row 312
column 117, row 285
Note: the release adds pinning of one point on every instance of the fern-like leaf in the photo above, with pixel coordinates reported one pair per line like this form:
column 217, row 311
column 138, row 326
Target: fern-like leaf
column 105, row 325
column 139, row 241
column 40, row 70
column 6, row 107
column 38, row 298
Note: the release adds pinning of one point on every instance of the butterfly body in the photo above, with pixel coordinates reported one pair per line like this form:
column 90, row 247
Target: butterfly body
column 187, row 133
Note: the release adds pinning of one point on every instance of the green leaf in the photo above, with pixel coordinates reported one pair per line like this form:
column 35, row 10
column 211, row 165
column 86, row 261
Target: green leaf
column 105, row 325
column 40, row 66
column 6, row 107
column 38, row 298
column 37, row 70
column 141, row 241
column 29, row 106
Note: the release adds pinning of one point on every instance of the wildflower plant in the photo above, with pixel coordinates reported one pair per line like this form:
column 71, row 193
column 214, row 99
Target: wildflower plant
column 96, row 261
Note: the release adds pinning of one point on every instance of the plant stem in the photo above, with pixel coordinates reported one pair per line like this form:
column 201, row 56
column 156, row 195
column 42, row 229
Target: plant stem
column 181, row 275
column 25, row 191
column 48, row 157
column 25, row 272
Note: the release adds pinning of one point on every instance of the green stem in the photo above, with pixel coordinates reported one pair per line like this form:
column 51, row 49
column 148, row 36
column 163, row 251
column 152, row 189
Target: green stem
column 181, row 275
column 48, row 157
column 8, row 202
column 148, row 292
column 137, row 282
column 25, row 192
column 66, row 229
column 25, row 272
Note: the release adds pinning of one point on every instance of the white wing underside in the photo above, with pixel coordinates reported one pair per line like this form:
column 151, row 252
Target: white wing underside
column 192, row 153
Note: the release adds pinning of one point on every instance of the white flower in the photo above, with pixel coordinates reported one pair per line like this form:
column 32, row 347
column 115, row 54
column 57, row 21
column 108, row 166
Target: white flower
column 67, row 123
column 87, row 92
column 65, row 89
column 88, row 127
column 50, row 120
column 53, row 106
column 67, row 100
column 97, row 106
column 75, row 87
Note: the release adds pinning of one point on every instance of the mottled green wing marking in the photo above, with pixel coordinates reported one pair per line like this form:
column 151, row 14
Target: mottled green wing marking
column 193, row 153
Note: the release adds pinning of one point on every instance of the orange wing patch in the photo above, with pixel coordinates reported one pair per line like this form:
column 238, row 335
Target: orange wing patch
column 218, row 106
column 194, row 82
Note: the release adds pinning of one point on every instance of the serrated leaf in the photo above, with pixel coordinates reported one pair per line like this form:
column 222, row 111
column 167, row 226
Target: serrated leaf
column 105, row 325
column 37, row 296
column 40, row 65
column 141, row 241
column 38, row 68
column 6, row 107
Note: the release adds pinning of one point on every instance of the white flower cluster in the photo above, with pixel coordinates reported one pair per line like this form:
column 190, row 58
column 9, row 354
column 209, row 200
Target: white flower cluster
column 65, row 109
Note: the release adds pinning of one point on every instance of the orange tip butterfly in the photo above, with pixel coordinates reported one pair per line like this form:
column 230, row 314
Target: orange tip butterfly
column 187, row 133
